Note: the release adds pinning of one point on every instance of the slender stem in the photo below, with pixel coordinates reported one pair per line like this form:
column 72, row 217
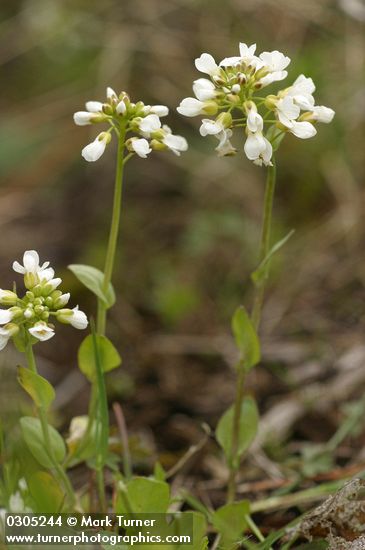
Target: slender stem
column 265, row 243
column 114, row 230
column 234, row 461
column 255, row 317
column 45, row 430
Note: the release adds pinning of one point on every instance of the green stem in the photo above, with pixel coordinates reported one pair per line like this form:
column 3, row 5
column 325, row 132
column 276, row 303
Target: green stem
column 265, row 243
column 234, row 461
column 255, row 317
column 61, row 474
column 114, row 230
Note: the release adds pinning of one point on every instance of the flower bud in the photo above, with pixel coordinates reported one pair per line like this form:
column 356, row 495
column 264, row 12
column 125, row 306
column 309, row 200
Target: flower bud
column 210, row 108
column 28, row 313
column 270, row 102
column 30, row 295
column 12, row 329
column 64, row 316
column 61, row 301
column 107, row 109
column 31, row 280
column 39, row 310
column 236, row 88
column 233, row 98
column 16, row 312
column 157, row 145
column 226, row 119
column 8, row 298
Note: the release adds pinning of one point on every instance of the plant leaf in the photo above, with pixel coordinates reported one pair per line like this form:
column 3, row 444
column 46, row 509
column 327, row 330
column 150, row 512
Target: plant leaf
column 260, row 273
column 108, row 355
column 246, row 338
column 93, row 279
column 230, row 522
column 248, row 428
column 37, row 387
column 33, row 436
column 46, row 492
column 144, row 495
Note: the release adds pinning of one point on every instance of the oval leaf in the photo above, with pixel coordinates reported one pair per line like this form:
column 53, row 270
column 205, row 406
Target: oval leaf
column 143, row 495
column 246, row 338
column 230, row 521
column 248, row 428
column 33, row 436
column 93, row 279
column 37, row 387
column 108, row 355
column 46, row 492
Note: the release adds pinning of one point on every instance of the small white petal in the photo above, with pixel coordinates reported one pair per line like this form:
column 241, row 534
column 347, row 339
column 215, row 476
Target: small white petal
column 94, row 150
column 121, row 108
column 18, row 268
column 159, row 110
column 206, row 64
column 190, row 107
column 247, row 51
column 110, row 93
column 149, row 124
column 82, row 118
column 94, row 106
column 5, row 316
column 210, row 127
column 78, row 319
column 41, row 331
column 323, row 114
column 204, row 89
column 230, row 61
column 175, row 143
column 275, row 61
column 303, row 130
column 46, row 274
column 255, row 122
column 31, row 261
column 141, row 147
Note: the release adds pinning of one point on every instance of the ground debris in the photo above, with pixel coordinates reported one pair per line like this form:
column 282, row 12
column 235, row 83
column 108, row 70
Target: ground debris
column 340, row 519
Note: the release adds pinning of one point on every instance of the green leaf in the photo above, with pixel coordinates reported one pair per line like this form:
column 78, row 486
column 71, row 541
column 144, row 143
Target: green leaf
column 33, row 436
column 143, row 495
column 37, row 387
column 248, row 428
column 230, row 522
column 159, row 472
column 46, row 492
column 108, row 355
column 260, row 273
column 246, row 338
column 93, row 279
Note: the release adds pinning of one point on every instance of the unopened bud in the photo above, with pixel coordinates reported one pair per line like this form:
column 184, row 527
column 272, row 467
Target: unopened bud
column 236, row 88
column 157, row 145
column 31, row 280
column 233, row 98
column 210, row 108
column 8, row 298
column 226, row 119
column 270, row 102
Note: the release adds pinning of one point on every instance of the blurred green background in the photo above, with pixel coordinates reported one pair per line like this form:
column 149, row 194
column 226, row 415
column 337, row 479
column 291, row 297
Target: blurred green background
column 190, row 225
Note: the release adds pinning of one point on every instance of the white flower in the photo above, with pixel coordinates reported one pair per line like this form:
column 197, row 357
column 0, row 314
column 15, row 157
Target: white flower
column 41, row 331
column 275, row 62
column 255, row 122
column 320, row 113
column 149, row 124
column 206, row 64
column 94, row 150
column 210, row 127
column 73, row 317
column 303, row 130
column 78, row 428
column 204, row 89
column 5, row 316
column 176, row 144
column 159, row 110
column 246, row 56
column 140, row 146
column 78, row 319
column 225, row 147
column 287, row 111
column 31, row 264
column 301, row 92
column 258, row 149
column 191, row 107
column 83, row 118
column 94, row 106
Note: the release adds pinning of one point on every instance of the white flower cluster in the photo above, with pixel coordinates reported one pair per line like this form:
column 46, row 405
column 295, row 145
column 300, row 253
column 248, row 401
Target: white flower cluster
column 124, row 116
column 31, row 313
column 232, row 90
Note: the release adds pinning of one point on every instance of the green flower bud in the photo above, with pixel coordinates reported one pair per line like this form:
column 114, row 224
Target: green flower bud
column 45, row 316
column 107, row 109
column 270, row 102
column 64, row 315
column 210, row 108
column 31, row 280
column 48, row 302
column 16, row 312
column 29, row 295
column 226, row 119
column 12, row 329
column 39, row 310
column 157, row 145
column 8, row 298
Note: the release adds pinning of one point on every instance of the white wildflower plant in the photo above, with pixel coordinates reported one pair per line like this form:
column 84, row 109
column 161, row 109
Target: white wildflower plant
column 30, row 315
column 233, row 94
column 140, row 125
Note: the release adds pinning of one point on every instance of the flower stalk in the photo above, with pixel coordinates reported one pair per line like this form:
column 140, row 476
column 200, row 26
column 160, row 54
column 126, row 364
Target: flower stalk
column 58, row 469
